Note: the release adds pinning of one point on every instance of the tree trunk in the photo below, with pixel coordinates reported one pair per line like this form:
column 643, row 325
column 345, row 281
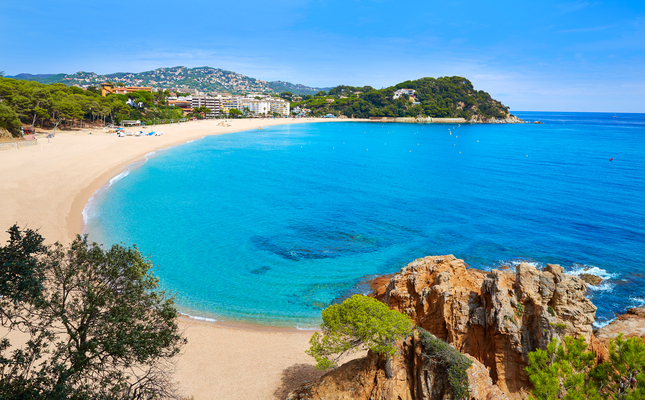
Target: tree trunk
column 57, row 122
column 388, row 368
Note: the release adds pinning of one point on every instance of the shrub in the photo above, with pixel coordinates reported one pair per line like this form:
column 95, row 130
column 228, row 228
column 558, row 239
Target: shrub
column 567, row 371
column 436, row 351
column 356, row 322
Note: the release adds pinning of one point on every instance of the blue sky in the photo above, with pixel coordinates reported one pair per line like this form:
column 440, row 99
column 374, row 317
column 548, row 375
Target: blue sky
column 547, row 55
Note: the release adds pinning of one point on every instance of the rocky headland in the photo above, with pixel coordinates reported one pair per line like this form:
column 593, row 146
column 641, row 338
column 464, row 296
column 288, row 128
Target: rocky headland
column 630, row 324
column 495, row 318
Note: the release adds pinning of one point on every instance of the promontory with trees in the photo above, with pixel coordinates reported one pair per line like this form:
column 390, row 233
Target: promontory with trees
column 453, row 97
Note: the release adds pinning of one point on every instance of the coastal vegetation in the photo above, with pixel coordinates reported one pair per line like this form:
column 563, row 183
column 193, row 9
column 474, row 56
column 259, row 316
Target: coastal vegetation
column 95, row 322
column 452, row 97
column 205, row 79
column 447, row 358
column 569, row 371
column 359, row 321
column 56, row 106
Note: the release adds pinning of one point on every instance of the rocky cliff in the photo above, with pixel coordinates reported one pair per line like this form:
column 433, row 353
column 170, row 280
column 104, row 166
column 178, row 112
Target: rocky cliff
column 419, row 373
column 630, row 324
column 496, row 317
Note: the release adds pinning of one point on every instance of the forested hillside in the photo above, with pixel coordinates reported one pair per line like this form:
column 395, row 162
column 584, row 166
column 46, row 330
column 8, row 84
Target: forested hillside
column 59, row 106
column 442, row 97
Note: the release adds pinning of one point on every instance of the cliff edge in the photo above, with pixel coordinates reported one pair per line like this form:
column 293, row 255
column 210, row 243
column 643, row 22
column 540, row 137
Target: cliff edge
column 497, row 317
column 419, row 373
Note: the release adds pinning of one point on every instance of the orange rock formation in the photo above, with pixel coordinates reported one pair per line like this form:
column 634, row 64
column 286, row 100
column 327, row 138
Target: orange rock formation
column 497, row 317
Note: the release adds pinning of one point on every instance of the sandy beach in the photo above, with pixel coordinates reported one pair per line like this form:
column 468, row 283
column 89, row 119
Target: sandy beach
column 46, row 187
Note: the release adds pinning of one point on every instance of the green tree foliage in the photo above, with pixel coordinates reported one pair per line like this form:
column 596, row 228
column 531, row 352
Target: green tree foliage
column 141, row 96
column 442, row 97
column 359, row 321
column 9, row 120
column 21, row 275
column 561, row 372
column 56, row 105
column 200, row 112
column 98, row 325
column 164, row 113
column 569, row 372
column 235, row 113
column 447, row 358
column 286, row 95
column 623, row 376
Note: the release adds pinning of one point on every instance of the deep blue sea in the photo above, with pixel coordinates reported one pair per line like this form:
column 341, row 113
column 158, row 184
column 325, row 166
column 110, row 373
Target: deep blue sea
column 270, row 226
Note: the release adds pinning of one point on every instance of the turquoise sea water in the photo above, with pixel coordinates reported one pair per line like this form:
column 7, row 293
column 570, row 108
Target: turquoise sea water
column 270, row 226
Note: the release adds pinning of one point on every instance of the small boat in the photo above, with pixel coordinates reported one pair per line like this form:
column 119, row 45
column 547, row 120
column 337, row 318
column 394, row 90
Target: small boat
column 615, row 116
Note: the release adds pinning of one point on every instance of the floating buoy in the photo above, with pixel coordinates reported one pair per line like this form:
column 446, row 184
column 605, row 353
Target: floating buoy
column 611, row 159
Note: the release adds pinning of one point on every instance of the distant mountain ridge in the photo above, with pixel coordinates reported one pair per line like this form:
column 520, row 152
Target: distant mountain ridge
column 204, row 79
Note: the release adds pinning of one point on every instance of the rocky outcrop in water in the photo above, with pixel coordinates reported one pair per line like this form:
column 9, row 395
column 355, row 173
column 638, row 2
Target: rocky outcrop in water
column 509, row 119
column 591, row 279
column 497, row 317
column 630, row 324
column 417, row 375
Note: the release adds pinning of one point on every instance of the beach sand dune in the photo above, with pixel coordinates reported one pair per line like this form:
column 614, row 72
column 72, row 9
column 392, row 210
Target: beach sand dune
column 46, row 187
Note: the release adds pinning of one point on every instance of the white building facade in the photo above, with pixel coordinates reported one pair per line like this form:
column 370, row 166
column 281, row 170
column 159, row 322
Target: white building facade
column 212, row 103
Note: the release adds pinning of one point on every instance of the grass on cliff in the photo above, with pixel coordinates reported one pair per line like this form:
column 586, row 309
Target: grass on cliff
column 436, row 351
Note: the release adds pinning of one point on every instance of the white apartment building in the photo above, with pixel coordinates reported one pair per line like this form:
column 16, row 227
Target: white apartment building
column 230, row 102
column 280, row 106
column 214, row 104
column 259, row 107
column 268, row 106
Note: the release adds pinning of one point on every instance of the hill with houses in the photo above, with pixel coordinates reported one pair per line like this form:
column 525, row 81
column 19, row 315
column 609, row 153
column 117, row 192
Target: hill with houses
column 201, row 79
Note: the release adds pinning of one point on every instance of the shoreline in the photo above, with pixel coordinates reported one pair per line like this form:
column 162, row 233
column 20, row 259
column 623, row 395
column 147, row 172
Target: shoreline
column 47, row 186
column 75, row 222
column 241, row 325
